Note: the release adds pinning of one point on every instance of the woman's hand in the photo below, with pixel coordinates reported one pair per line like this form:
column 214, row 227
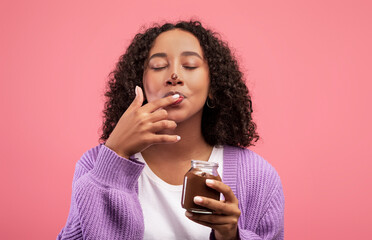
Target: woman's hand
column 224, row 219
column 136, row 130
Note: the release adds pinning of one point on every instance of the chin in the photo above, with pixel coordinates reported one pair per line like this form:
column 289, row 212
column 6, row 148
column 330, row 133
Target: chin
column 178, row 118
column 182, row 116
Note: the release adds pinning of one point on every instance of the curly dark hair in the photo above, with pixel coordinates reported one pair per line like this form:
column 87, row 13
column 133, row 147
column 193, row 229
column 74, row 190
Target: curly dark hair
column 228, row 123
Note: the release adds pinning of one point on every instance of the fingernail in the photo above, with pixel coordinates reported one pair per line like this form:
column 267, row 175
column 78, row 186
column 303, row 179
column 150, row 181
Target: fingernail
column 176, row 96
column 209, row 181
column 188, row 214
column 136, row 90
column 178, row 138
column 198, row 199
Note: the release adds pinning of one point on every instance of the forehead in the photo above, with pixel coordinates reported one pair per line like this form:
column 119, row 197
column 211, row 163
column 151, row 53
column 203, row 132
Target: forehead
column 176, row 41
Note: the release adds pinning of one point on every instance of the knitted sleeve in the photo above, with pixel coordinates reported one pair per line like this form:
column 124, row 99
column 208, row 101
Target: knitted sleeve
column 271, row 225
column 72, row 229
column 104, row 203
column 258, row 187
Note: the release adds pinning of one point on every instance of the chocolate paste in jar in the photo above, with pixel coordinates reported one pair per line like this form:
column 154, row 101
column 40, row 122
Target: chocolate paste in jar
column 194, row 185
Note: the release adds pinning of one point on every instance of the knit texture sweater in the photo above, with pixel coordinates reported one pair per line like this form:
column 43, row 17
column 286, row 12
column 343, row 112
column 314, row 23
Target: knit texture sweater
column 105, row 204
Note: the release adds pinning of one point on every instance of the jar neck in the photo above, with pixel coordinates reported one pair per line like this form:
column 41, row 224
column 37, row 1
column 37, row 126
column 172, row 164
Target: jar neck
column 206, row 167
column 203, row 164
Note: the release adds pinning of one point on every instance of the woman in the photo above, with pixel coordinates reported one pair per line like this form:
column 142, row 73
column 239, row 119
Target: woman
column 176, row 94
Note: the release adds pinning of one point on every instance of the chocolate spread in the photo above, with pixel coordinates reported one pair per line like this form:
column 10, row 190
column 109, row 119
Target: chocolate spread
column 194, row 185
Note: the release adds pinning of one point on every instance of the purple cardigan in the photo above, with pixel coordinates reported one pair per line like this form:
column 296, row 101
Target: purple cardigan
column 105, row 204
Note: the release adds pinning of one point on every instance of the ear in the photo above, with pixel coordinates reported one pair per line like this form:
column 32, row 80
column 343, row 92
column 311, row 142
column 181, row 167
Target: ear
column 210, row 95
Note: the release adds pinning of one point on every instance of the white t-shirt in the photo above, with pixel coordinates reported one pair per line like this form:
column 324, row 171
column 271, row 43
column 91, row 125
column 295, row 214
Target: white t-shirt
column 161, row 204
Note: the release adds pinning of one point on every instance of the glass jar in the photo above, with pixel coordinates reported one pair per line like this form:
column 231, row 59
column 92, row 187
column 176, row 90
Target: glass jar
column 194, row 185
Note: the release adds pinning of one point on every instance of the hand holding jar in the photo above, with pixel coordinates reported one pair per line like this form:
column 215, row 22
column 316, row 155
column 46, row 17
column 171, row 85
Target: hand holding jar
column 200, row 197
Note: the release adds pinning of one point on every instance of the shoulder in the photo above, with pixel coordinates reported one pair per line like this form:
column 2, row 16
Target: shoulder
column 252, row 169
column 246, row 158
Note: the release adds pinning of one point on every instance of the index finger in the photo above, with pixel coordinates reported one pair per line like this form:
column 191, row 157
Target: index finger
column 159, row 103
column 222, row 188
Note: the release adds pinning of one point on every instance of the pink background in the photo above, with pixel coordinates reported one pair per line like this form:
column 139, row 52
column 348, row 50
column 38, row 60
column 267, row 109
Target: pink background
column 309, row 70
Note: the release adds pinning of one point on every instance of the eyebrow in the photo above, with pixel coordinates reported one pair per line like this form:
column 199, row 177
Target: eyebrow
column 186, row 54
column 189, row 53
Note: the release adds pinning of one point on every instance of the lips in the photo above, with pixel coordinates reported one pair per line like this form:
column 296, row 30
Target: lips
column 172, row 93
column 179, row 100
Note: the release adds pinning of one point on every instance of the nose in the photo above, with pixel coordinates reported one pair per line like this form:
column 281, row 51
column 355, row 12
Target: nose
column 174, row 80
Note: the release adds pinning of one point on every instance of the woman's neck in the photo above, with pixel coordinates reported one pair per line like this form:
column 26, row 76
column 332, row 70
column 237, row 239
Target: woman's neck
column 162, row 158
column 191, row 146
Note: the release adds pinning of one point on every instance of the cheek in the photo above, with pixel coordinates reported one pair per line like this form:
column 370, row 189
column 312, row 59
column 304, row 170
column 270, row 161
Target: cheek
column 152, row 88
column 201, row 83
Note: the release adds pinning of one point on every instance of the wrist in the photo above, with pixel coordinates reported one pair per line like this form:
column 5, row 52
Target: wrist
column 120, row 153
column 219, row 236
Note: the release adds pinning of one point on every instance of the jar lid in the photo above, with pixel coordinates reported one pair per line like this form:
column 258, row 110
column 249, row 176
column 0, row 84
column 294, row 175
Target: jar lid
column 204, row 163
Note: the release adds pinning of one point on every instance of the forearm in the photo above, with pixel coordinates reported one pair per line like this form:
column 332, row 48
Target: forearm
column 271, row 225
column 101, row 193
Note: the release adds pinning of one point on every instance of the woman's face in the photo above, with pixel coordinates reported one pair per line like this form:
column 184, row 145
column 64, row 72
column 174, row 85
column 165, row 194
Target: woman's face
column 178, row 53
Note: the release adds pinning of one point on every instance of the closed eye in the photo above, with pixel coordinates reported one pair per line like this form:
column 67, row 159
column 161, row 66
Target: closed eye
column 158, row 68
column 189, row 68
